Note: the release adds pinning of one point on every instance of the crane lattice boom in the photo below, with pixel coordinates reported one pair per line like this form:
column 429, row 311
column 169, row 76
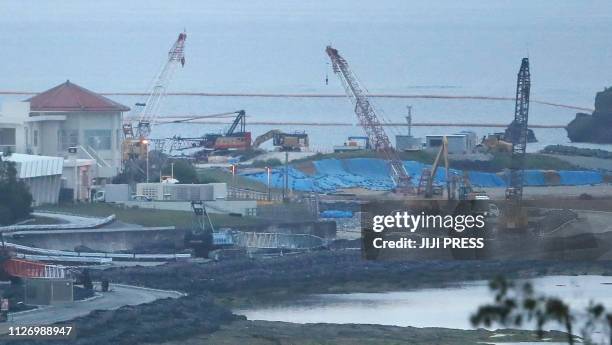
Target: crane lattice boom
column 147, row 112
column 368, row 119
column 519, row 132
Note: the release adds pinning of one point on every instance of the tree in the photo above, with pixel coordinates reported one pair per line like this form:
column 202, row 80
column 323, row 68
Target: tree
column 15, row 197
column 136, row 171
column 516, row 305
column 184, row 171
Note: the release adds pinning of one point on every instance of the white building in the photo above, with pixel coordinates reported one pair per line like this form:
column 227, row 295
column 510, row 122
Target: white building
column 69, row 115
column 182, row 192
column 77, row 175
column 460, row 143
column 42, row 174
column 13, row 117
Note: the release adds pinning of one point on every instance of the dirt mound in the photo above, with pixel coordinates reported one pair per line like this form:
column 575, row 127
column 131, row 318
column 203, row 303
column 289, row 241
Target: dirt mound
column 307, row 167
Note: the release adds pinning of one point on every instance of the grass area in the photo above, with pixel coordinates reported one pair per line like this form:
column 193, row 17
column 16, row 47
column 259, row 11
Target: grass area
column 148, row 217
column 208, row 175
column 499, row 162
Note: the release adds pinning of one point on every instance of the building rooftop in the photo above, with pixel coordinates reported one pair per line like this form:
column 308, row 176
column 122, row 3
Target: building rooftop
column 34, row 166
column 68, row 97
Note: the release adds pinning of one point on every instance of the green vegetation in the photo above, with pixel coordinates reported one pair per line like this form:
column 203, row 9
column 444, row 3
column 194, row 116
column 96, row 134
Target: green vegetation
column 535, row 161
column 502, row 161
column 271, row 333
column 499, row 162
column 15, row 197
column 148, row 217
column 516, row 305
column 272, row 162
column 159, row 164
column 184, row 171
column 209, row 175
column 577, row 151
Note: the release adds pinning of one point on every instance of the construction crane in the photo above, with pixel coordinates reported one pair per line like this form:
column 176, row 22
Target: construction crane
column 231, row 139
column 236, row 137
column 136, row 139
column 203, row 237
column 369, row 121
column 515, row 218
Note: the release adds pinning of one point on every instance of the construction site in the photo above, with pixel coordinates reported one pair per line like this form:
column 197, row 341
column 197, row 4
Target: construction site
column 136, row 231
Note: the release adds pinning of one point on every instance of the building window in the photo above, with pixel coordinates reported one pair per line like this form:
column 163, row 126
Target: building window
column 35, row 138
column 68, row 138
column 98, row 139
column 7, row 139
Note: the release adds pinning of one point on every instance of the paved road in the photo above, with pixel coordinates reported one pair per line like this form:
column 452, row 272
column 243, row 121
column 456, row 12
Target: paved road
column 121, row 295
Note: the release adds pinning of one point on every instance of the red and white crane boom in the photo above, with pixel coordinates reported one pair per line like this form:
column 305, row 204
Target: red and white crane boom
column 369, row 121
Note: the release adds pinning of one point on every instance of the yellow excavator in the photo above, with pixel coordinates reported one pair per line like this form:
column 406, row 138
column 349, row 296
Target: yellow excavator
column 426, row 183
column 454, row 184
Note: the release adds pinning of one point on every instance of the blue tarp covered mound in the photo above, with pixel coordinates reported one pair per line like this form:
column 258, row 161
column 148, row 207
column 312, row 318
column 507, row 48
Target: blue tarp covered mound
column 373, row 174
column 336, row 214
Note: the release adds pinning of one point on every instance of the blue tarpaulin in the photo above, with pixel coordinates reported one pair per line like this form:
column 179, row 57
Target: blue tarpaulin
column 580, row 177
column 336, row 214
column 373, row 174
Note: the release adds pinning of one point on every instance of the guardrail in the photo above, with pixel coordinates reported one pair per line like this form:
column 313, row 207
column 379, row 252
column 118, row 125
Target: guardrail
column 124, row 256
column 95, row 223
column 63, row 258
column 275, row 240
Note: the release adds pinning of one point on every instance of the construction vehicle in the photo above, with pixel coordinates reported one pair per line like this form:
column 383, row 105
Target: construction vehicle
column 136, row 138
column 231, row 139
column 203, row 237
column 457, row 187
column 284, row 141
column 426, row 183
column 370, row 122
column 354, row 143
column 515, row 216
column 496, row 143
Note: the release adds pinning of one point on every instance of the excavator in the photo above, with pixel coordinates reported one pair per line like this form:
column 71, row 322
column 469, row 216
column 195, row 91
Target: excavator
column 457, row 187
column 231, row 139
column 203, row 237
column 426, row 183
column 285, row 141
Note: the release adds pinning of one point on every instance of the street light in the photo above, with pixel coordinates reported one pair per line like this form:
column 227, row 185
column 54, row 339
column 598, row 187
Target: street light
column 269, row 194
column 146, row 143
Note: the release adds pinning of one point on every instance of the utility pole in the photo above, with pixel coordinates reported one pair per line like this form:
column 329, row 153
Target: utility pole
column 146, row 143
column 409, row 119
column 286, row 178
